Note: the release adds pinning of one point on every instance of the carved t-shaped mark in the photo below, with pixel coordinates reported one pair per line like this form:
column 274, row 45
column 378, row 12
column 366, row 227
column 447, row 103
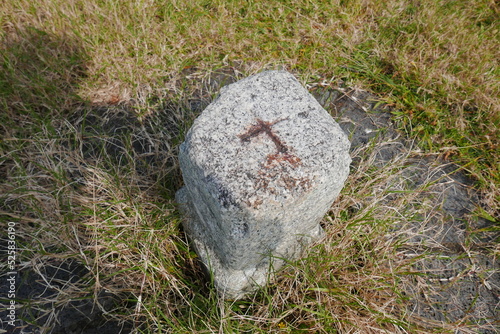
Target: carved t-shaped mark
column 264, row 127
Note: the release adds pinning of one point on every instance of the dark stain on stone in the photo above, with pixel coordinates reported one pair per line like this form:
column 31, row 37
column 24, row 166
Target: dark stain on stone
column 222, row 194
column 241, row 230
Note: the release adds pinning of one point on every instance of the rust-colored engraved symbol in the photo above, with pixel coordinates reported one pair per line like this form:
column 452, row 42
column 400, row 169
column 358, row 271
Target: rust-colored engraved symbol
column 282, row 151
column 264, row 127
column 278, row 166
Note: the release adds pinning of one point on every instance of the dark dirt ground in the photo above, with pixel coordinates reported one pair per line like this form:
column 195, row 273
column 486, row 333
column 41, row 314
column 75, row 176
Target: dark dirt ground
column 455, row 279
column 449, row 283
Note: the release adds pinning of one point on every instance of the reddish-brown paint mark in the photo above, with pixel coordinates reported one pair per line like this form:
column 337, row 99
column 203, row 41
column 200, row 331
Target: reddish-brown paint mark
column 276, row 167
column 264, row 127
column 278, row 158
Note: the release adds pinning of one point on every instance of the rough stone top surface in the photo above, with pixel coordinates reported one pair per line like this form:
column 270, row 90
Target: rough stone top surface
column 266, row 137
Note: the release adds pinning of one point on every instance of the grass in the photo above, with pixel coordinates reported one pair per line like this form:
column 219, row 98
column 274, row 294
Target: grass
column 95, row 98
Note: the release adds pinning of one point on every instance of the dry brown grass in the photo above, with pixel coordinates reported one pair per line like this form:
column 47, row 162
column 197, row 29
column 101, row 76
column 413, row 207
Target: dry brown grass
column 96, row 96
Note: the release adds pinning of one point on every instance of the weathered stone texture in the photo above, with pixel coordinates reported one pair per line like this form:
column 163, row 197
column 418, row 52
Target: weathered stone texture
column 261, row 165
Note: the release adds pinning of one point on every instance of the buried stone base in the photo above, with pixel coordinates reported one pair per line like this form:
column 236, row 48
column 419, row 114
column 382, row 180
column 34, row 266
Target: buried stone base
column 261, row 165
column 234, row 283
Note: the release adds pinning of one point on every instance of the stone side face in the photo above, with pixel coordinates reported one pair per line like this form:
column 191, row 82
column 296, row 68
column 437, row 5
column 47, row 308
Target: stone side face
column 261, row 165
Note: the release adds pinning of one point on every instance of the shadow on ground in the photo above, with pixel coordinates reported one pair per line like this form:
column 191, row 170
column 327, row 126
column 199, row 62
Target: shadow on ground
column 39, row 75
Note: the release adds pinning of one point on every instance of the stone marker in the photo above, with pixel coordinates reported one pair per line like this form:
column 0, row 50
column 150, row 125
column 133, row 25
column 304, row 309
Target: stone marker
column 261, row 165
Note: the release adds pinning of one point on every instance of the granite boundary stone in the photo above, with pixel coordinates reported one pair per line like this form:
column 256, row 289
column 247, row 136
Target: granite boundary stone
column 262, row 165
